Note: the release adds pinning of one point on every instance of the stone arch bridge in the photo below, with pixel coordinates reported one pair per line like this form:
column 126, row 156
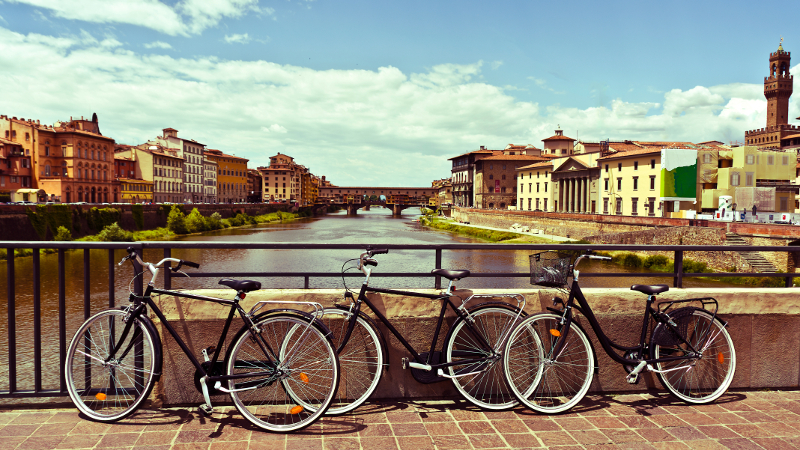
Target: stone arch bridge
column 356, row 197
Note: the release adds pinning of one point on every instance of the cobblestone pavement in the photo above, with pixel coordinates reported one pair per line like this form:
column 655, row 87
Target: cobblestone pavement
column 739, row 420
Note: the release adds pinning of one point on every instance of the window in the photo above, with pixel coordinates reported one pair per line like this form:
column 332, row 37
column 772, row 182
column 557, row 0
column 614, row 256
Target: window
column 785, row 161
column 636, row 165
column 619, row 184
column 619, row 166
column 652, row 182
column 635, row 183
column 605, row 206
column 735, row 179
column 619, row 207
column 537, row 187
column 46, row 150
column 545, row 204
column 530, row 187
column 491, row 176
column 784, row 203
column 748, row 179
column 771, row 160
column 605, row 182
column 634, row 207
column 606, row 168
column 706, row 158
column 652, row 163
column 545, row 187
column 529, row 204
column 504, row 177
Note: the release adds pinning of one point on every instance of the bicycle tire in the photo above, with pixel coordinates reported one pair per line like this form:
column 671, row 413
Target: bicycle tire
column 361, row 360
column 486, row 389
column 542, row 383
column 308, row 364
column 111, row 391
column 708, row 377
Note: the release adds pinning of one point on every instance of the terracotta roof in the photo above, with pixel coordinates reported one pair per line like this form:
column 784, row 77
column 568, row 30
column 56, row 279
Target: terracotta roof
column 638, row 152
column 482, row 152
column 791, row 136
column 559, row 138
column 538, row 165
column 213, row 152
column 511, row 157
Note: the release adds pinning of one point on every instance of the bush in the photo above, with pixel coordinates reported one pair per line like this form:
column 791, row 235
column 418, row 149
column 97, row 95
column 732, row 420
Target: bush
column 195, row 222
column 214, row 222
column 656, row 261
column 113, row 233
column 176, row 221
column 690, row 266
column 631, row 260
column 63, row 234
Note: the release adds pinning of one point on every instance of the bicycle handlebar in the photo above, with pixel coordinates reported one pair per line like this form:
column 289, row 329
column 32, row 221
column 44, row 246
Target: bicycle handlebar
column 154, row 268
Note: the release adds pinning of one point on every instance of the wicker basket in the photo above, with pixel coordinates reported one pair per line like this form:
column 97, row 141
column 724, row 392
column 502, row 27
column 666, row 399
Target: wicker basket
column 550, row 269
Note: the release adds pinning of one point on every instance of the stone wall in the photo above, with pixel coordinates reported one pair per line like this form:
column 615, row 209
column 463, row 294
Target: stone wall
column 764, row 325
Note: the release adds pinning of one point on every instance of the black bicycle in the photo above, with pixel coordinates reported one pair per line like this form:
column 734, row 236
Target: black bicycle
column 280, row 368
column 549, row 362
column 470, row 356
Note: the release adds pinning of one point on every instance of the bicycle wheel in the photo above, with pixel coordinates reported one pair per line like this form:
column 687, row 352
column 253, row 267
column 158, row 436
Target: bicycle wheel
column 700, row 380
column 541, row 380
column 361, row 360
column 481, row 383
column 106, row 389
column 308, row 367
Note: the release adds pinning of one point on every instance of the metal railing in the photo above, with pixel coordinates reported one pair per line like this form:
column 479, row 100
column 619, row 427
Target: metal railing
column 37, row 389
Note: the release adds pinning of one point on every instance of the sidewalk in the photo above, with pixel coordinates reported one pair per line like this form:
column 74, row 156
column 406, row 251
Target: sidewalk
column 738, row 420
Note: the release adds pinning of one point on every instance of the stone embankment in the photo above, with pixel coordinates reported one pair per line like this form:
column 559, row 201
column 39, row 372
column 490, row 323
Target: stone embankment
column 606, row 229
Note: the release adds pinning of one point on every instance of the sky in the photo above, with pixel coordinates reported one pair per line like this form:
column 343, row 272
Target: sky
column 377, row 93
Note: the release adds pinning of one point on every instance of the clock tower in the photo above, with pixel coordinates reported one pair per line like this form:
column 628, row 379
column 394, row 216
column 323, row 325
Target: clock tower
column 777, row 90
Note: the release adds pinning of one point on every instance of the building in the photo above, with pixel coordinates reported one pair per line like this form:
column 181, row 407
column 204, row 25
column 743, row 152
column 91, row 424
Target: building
column 778, row 86
column 160, row 166
column 254, row 186
column 70, row 161
column 444, row 195
column 558, row 144
column 279, row 179
column 463, row 175
column 534, row 191
column 231, row 176
column 211, row 170
column 191, row 152
column 15, row 172
column 630, row 181
column 136, row 191
column 495, row 185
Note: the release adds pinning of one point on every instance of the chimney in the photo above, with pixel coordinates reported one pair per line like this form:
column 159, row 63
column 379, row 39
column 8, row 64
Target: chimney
column 483, row 147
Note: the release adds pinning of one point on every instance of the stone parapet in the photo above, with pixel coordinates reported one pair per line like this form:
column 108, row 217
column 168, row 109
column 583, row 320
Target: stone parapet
column 764, row 325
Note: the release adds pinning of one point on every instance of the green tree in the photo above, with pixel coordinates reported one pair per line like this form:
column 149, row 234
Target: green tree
column 176, row 221
column 113, row 233
column 195, row 222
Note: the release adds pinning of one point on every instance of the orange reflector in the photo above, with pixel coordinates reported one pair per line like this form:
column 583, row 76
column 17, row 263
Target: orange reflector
column 555, row 332
column 242, row 296
column 100, row 396
column 296, row 410
column 303, row 377
column 720, row 358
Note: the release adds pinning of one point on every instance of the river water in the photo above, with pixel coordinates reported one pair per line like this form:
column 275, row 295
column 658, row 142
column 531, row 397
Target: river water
column 373, row 227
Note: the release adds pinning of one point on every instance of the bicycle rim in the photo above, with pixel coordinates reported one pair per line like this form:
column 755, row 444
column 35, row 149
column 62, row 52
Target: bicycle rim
column 705, row 379
column 543, row 381
column 308, row 368
column 486, row 386
column 109, row 391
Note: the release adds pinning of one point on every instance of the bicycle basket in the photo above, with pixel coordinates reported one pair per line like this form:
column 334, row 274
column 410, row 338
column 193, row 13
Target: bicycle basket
column 550, row 269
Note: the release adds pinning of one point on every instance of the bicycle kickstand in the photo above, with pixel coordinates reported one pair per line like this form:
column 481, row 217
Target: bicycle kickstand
column 206, row 407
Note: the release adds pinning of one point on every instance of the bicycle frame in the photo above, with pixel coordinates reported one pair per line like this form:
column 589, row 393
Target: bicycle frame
column 609, row 345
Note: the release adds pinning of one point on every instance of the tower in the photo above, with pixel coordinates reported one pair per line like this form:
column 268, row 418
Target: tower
column 778, row 87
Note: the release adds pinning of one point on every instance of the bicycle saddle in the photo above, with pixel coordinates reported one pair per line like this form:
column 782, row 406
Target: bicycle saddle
column 451, row 274
column 241, row 285
column 650, row 290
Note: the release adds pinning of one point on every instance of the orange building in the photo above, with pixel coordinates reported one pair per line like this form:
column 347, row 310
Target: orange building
column 231, row 176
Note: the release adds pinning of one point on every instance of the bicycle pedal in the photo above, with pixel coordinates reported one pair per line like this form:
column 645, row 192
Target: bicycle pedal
column 206, row 409
column 404, row 363
column 632, row 379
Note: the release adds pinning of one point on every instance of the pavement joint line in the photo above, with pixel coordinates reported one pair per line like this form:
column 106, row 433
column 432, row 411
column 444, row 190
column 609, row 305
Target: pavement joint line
column 744, row 419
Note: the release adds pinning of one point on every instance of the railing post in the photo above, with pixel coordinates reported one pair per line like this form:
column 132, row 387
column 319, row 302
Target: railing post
column 305, row 282
column 678, row 281
column 37, row 323
column 87, row 286
column 12, row 323
column 438, row 264
column 111, row 288
column 167, row 272
column 62, row 320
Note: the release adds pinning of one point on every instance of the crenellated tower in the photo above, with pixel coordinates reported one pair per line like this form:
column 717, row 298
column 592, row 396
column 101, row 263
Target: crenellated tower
column 778, row 87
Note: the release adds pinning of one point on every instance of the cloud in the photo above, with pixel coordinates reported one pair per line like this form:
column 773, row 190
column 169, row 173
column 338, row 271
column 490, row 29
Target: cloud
column 543, row 84
column 405, row 125
column 158, row 44
column 237, row 39
column 185, row 18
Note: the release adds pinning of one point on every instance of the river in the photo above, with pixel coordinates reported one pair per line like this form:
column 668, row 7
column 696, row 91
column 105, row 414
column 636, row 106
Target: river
column 373, row 227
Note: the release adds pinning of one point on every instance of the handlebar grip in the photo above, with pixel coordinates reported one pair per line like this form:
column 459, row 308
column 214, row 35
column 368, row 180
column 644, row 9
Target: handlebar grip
column 379, row 251
column 192, row 264
column 602, row 258
column 130, row 250
column 370, row 262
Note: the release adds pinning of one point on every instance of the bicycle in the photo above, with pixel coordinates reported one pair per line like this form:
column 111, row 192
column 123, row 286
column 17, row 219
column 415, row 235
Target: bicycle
column 279, row 361
column 549, row 362
column 470, row 356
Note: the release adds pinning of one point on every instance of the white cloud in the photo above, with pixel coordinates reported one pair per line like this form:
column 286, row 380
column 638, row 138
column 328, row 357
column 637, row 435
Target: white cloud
column 158, row 44
column 237, row 39
column 543, row 84
column 187, row 17
column 405, row 125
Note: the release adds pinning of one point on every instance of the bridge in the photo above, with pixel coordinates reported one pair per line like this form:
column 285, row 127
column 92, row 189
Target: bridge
column 357, row 197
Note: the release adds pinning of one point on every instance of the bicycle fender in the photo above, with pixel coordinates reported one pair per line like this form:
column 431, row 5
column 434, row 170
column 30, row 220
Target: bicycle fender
column 580, row 327
column 158, row 350
column 374, row 325
column 663, row 336
column 310, row 317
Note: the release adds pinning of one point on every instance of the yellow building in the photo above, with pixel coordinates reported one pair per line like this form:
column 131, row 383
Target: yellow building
column 231, row 176
column 630, row 182
column 534, row 190
column 136, row 191
column 750, row 175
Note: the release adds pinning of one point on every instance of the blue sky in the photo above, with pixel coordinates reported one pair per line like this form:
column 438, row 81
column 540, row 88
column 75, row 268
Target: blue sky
column 382, row 93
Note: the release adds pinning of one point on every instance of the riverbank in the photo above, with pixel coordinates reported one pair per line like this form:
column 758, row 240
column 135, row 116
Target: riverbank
column 490, row 234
